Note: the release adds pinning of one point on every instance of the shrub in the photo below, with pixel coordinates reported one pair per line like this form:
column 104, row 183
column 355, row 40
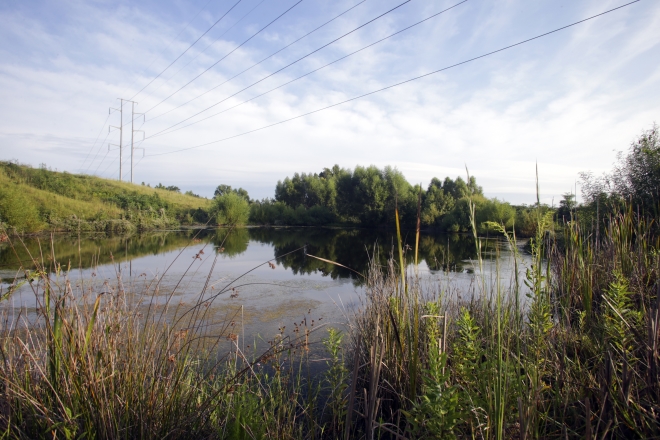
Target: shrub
column 231, row 209
column 17, row 210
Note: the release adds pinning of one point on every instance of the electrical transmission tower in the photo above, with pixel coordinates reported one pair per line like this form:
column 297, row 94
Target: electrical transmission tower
column 121, row 134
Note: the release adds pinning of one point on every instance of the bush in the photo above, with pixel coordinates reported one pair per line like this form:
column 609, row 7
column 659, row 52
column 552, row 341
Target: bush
column 495, row 211
column 231, row 209
column 635, row 179
column 17, row 210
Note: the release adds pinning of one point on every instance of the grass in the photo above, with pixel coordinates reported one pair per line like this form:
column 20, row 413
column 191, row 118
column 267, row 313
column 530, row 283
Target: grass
column 576, row 357
column 569, row 350
column 33, row 200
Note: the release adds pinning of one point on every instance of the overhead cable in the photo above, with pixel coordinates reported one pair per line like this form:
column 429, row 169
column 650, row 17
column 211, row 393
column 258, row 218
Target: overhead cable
column 400, row 83
column 306, row 74
column 149, row 66
column 279, row 70
column 256, row 64
column 95, row 140
column 187, row 49
column 98, row 150
column 211, row 44
column 232, row 51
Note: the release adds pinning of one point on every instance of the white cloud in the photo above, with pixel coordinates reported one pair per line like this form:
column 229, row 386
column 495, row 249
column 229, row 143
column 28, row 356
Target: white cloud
column 564, row 102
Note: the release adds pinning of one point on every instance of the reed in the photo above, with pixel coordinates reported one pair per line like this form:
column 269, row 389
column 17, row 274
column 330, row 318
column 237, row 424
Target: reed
column 575, row 357
column 569, row 347
column 91, row 362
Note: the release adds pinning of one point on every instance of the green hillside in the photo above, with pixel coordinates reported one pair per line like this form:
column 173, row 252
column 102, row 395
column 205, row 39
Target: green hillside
column 33, row 200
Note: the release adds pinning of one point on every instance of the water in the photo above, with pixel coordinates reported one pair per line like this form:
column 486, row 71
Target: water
column 176, row 266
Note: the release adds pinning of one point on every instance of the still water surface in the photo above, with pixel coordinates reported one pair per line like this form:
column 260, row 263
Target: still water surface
column 266, row 296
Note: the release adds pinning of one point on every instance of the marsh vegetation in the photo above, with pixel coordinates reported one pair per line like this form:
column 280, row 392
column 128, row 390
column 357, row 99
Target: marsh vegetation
column 567, row 347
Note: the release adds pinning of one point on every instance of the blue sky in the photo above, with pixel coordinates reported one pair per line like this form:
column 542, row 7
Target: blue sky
column 567, row 101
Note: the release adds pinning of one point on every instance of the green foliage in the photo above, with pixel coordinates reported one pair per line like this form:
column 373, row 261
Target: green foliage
column 566, row 210
column 222, row 190
column 621, row 318
column 437, row 412
column 336, row 378
column 168, row 188
column 307, row 190
column 367, row 196
column 17, row 211
column 545, row 369
column 436, row 204
column 72, row 202
column 230, row 209
column 267, row 212
column 496, row 211
column 525, row 220
column 458, row 219
column 466, row 353
column 635, row 180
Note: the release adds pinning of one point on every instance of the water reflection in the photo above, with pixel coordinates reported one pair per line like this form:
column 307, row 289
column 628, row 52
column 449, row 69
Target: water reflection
column 88, row 250
column 154, row 266
column 352, row 248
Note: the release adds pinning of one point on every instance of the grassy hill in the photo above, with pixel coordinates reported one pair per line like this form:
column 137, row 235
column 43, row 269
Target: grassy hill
column 33, row 200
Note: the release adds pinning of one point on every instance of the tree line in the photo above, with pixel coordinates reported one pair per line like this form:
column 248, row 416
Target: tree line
column 634, row 183
column 367, row 197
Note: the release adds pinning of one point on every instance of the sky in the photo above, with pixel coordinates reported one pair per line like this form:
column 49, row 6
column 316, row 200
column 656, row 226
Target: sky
column 565, row 102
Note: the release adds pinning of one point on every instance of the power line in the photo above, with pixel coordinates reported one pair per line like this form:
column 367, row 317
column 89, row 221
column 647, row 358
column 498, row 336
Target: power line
column 109, row 165
column 95, row 140
column 232, row 51
column 98, row 150
column 268, row 57
column 102, row 143
column 150, row 64
column 170, row 43
column 402, row 82
column 189, row 47
column 306, row 74
column 99, row 165
column 288, row 65
column 214, row 41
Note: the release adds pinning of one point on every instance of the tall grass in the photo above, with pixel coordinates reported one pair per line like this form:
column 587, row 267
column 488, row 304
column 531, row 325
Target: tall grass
column 575, row 357
column 569, row 347
column 33, row 200
column 91, row 362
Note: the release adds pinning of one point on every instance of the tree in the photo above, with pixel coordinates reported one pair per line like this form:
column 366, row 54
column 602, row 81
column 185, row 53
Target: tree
column 436, row 204
column 494, row 210
column 243, row 193
column 231, row 209
column 635, row 178
column 168, row 188
column 222, row 190
column 367, row 196
column 567, row 206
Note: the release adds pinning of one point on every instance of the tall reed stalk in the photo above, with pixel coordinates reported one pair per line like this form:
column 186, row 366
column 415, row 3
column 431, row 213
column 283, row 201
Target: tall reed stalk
column 577, row 358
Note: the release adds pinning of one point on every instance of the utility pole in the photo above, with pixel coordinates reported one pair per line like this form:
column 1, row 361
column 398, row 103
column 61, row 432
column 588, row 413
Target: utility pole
column 121, row 131
column 133, row 131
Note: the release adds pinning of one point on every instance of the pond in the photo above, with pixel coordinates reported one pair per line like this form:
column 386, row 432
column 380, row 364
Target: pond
column 259, row 278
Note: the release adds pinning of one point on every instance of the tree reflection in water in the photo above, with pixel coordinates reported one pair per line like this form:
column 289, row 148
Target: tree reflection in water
column 350, row 247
